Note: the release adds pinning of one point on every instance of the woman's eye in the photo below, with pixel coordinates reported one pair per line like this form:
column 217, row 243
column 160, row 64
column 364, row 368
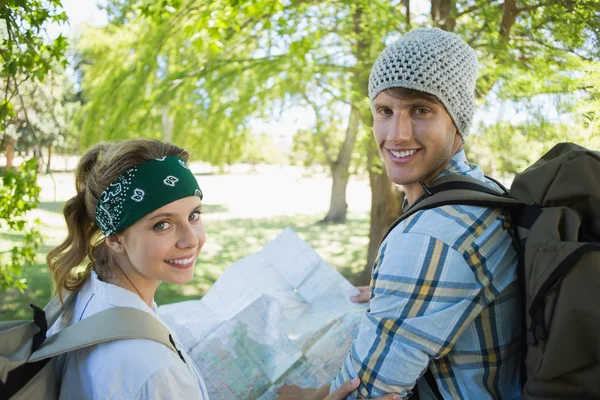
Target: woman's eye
column 195, row 216
column 161, row 226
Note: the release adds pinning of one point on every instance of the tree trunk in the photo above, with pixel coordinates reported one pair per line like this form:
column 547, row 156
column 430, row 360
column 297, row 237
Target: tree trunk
column 385, row 198
column 338, row 207
column 406, row 4
column 509, row 16
column 49, row 159
column 9, row 147
column 340, row 167
column 386, row 206
column 39, row 158
column 443, row 14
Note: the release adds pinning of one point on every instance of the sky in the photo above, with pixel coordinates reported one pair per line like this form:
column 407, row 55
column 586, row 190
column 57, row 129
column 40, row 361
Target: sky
column 84, row 11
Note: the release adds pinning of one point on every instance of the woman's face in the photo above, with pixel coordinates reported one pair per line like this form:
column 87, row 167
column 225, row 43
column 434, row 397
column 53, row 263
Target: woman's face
column 163, row 246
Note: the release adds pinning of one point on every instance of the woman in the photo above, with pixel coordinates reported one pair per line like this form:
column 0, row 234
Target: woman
column 136, row 217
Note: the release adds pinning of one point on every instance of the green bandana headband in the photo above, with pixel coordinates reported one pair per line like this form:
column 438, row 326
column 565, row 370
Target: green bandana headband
column 142, row 189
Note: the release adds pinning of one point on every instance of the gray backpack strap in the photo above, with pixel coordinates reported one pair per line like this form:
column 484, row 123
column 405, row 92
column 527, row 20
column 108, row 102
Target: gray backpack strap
column 54, row 308
column 105, row 326
column 455, row 189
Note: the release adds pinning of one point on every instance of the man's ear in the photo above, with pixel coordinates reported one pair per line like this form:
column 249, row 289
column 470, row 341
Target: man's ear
column 114, row 243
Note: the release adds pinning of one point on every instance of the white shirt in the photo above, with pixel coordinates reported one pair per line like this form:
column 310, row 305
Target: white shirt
column 123, row 369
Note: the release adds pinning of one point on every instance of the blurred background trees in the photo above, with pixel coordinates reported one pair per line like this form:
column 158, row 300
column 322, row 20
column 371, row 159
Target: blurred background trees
column 33, row 114
column 204, row 73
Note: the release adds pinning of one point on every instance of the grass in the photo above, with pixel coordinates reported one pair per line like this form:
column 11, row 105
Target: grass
column 342, row 245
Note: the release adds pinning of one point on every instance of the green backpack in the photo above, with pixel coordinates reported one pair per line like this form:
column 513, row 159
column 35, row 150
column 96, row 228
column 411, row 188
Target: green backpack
column 25, row 353
column 555, row 212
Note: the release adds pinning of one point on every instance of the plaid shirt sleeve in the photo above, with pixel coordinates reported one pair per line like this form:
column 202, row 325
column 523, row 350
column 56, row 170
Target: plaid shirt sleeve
column 424, row 293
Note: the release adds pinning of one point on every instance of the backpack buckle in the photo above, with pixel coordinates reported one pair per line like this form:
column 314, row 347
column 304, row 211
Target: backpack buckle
column 178, row 351
column 426, row 188
column 537, row 331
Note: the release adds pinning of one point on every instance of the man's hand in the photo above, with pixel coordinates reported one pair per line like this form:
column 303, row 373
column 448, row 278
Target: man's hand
column 363, row 296
column 347, row 387
column 290, row 392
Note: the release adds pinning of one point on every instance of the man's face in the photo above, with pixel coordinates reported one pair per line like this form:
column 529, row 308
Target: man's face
column 415, row 135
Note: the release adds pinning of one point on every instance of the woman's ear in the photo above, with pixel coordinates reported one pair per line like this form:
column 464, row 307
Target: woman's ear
column 114, row 243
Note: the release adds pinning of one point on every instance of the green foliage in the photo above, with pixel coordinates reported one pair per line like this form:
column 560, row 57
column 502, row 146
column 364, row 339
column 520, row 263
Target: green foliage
column 24, row 50
column 27, row 57
column 19, row 193
column 588, row 107
column 304, row 149
column 174, row 71
column 503, row 149
column 44, row 115
column 544, row 55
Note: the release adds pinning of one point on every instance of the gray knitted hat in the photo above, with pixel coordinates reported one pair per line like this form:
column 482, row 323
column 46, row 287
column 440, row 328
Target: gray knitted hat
column 431, row 61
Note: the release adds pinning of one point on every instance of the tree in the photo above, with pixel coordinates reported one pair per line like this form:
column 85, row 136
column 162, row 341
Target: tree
column 44, row 117
column 505, row 149
column 26, row 58
column 209, row 67
column 176, row 79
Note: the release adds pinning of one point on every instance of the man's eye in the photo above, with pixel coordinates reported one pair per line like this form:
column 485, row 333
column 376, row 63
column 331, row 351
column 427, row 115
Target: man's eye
column 422, row 111
column 161, row 226
column 195, row 216
column 385, row 111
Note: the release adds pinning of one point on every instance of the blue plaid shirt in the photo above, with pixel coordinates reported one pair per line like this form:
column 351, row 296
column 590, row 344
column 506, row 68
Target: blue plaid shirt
column 443, row 295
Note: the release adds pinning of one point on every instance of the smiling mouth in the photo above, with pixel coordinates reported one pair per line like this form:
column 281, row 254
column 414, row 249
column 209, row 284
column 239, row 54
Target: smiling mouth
column 181, row 261
column 403, row 153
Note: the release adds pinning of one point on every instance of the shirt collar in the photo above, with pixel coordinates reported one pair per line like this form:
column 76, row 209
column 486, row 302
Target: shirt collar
column 458, row 164
column 119, row 296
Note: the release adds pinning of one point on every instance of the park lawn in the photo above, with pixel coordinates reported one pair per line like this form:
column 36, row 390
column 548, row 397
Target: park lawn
column 342, row 245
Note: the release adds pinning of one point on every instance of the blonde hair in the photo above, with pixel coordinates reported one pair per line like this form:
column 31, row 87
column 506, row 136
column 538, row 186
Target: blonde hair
column 98, row 168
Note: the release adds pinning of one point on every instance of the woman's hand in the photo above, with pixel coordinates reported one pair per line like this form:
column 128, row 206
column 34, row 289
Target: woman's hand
column 363, row 296
column 291, row 392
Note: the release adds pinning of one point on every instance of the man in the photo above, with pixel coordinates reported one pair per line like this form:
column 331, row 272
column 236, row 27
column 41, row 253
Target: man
column 443, row 292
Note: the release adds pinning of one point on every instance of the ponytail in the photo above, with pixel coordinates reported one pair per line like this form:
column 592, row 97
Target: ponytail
column 83, row 233
column 63, row 259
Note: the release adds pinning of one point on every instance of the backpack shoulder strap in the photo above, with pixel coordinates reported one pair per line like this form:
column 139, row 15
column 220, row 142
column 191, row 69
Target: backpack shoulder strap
column 455, row 189
column 105, row 326
column 54, row 308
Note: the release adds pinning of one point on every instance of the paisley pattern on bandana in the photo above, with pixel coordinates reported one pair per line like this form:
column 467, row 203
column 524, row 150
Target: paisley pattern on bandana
column 142, row 190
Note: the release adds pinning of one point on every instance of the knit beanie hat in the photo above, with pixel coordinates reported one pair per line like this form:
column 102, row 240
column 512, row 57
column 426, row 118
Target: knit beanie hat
column 431, row 61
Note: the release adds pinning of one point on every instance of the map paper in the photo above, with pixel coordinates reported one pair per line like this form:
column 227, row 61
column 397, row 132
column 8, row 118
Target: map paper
column 281, row 315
